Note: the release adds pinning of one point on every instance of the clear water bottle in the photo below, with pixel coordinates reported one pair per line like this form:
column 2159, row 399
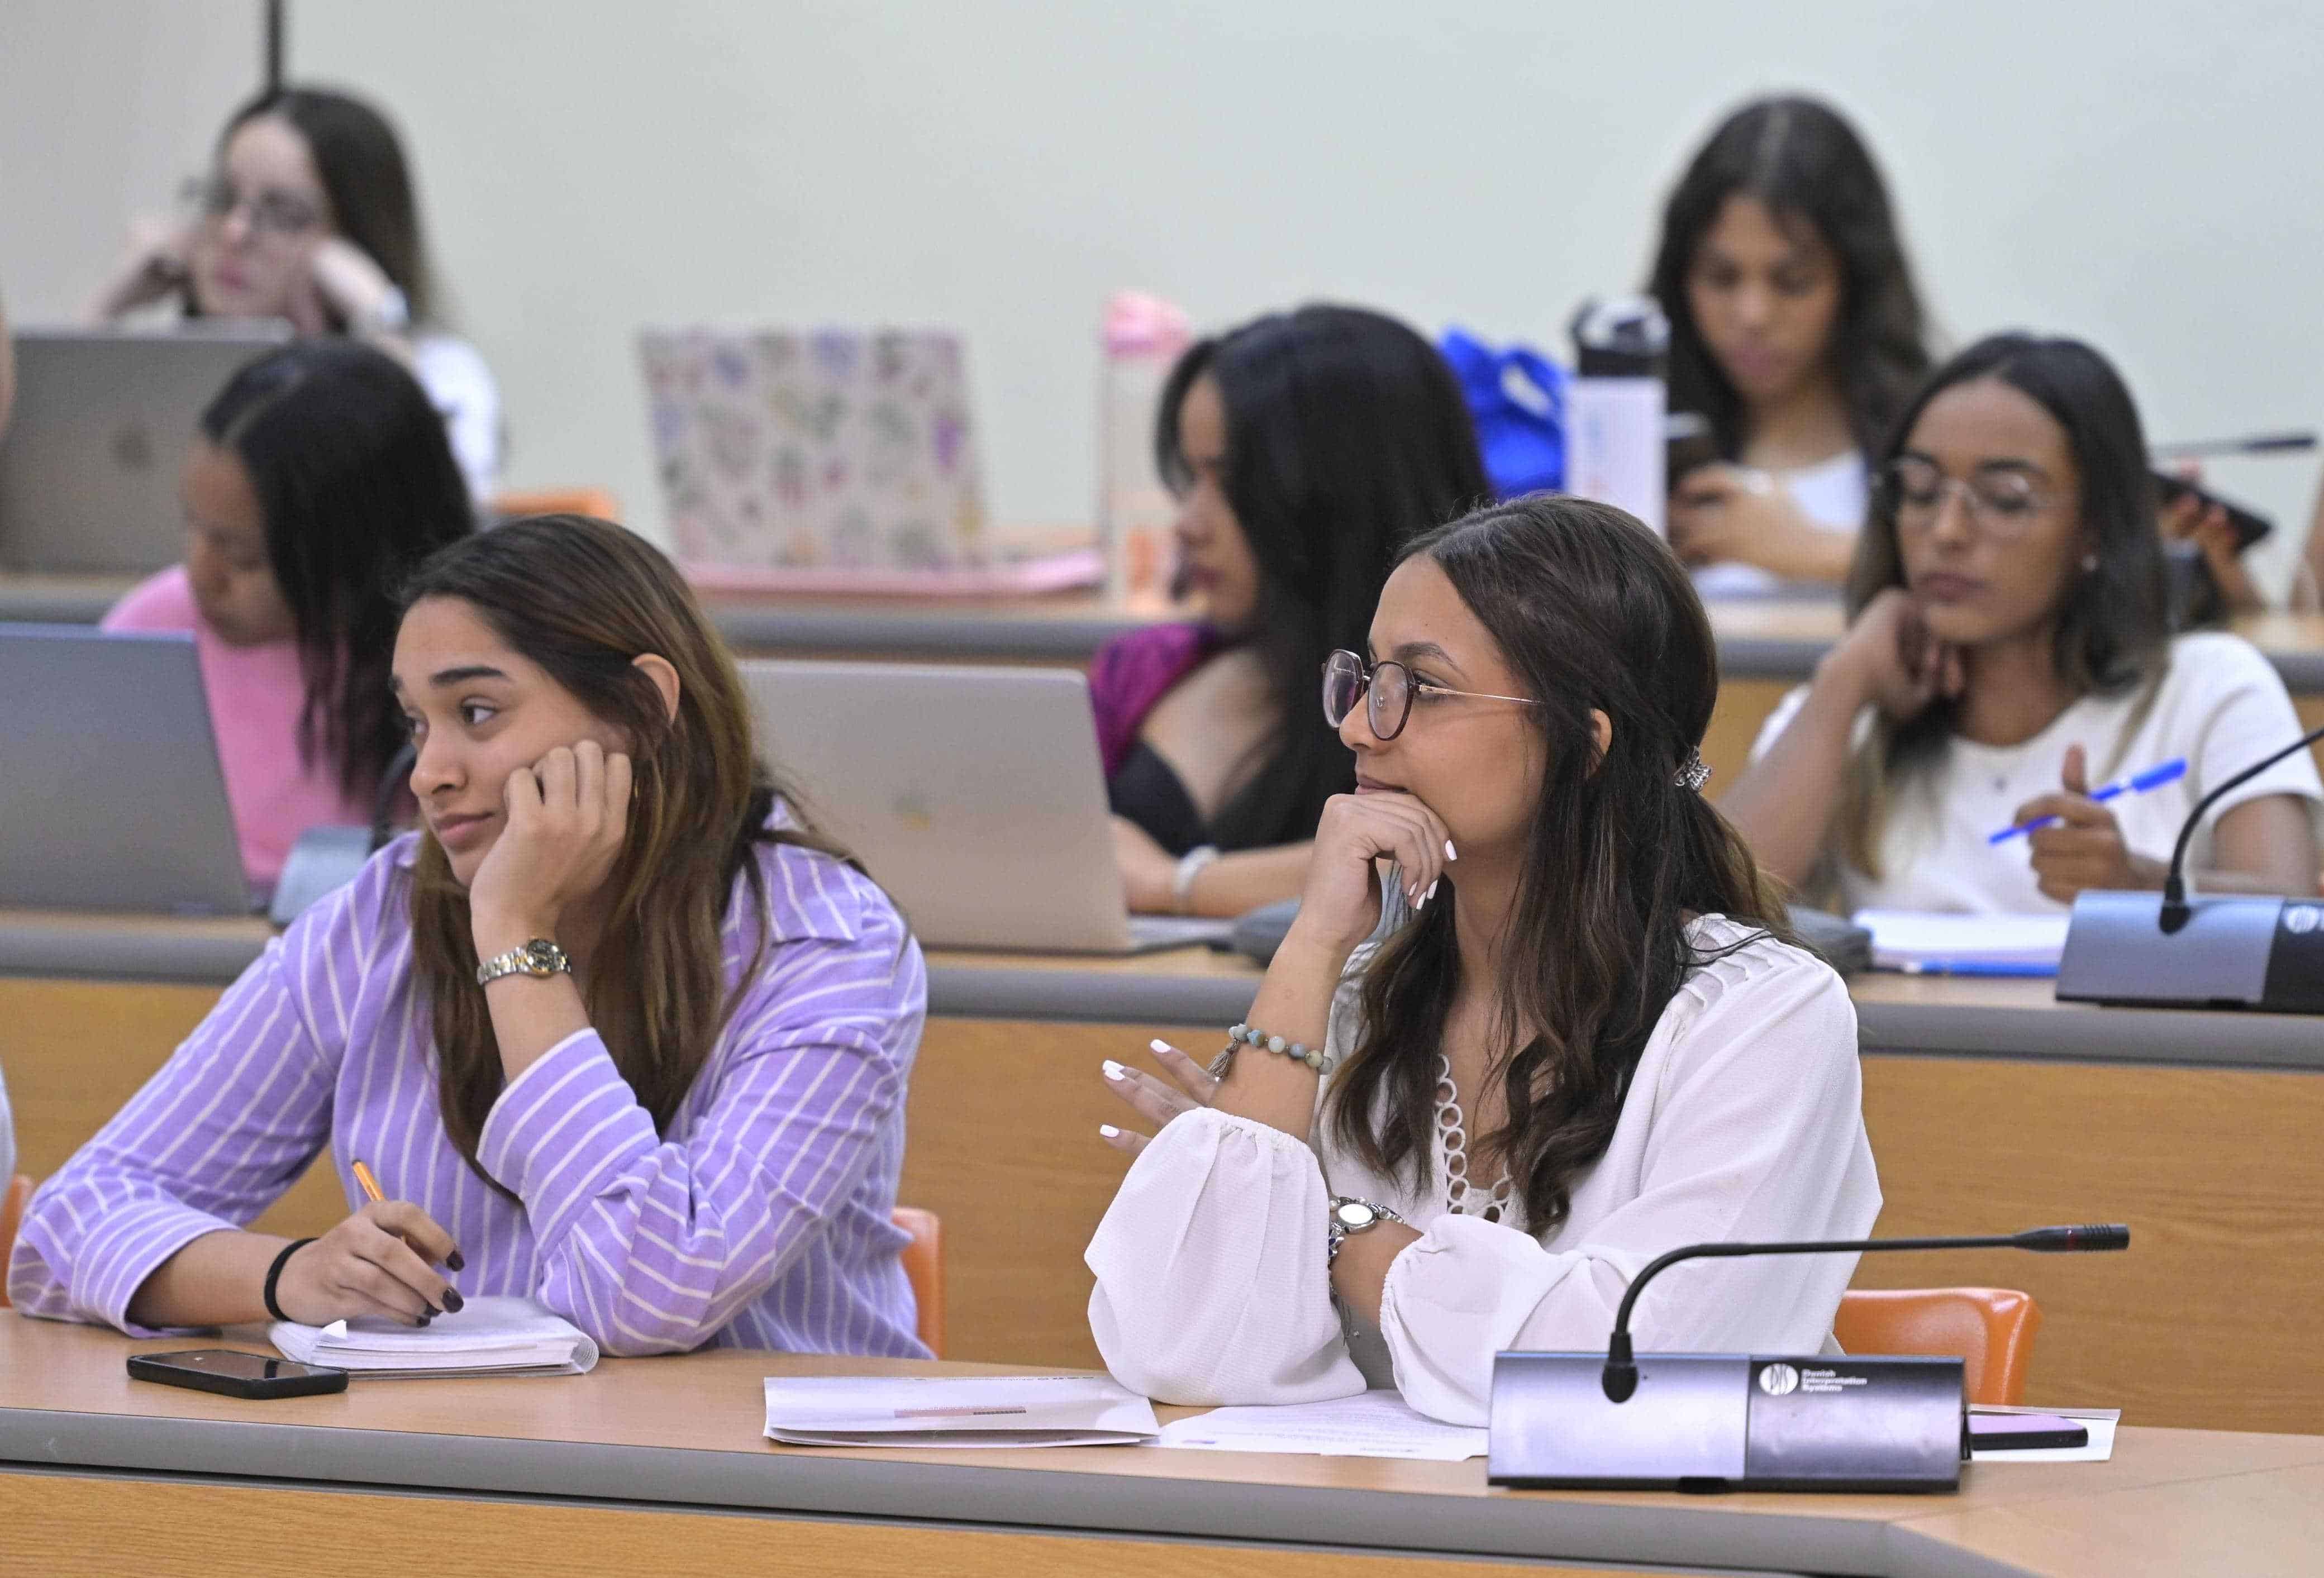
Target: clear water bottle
column 1615, row 407
column 1144, row 337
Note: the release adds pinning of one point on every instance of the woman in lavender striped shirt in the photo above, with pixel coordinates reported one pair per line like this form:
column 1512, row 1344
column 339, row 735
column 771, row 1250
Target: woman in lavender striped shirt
column 691, row 1136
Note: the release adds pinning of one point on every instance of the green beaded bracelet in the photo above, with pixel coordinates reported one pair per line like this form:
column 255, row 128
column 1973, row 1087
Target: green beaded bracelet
column 1252, row 1036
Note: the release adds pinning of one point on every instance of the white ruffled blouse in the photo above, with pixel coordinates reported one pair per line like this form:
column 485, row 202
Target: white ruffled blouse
column 1744, row 1121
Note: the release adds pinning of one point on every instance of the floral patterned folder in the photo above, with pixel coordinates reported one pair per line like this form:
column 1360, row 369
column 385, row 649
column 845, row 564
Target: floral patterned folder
column 835, row 460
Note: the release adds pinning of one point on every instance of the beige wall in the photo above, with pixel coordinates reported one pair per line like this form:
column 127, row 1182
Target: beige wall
column 2146, row 176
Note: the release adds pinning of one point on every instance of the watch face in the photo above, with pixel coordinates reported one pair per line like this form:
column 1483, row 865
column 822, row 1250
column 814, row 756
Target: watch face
column 1353, row 1216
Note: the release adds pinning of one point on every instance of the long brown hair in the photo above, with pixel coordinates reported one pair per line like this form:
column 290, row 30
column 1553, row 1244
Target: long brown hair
column 584, row 598
column 1592, row 611
column 2113, row 622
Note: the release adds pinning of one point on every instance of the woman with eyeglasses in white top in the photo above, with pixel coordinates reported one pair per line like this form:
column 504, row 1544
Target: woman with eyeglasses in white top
column 1586, row 1038
column 2009, row 653
column 309, row 215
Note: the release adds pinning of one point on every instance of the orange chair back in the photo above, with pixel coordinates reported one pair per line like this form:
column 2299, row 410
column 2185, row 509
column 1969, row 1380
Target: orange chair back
column 1990, row 1330
column 923, row 1260
column 12, row 1217
column 558, row 501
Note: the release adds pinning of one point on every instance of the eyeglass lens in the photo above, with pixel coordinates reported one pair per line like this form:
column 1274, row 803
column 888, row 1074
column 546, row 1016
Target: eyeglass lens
column 1389, row 693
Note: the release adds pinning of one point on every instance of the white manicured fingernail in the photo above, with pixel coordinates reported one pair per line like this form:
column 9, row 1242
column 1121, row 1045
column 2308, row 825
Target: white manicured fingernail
column 1114, row 1070
column 1432, row 890
column 1450, row 853
column 1420, row 904
column 1161, row 1045
column 1109, row 1131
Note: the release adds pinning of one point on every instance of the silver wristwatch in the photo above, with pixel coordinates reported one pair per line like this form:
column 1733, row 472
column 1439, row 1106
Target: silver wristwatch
column 539, row 959
column 1350, row 1216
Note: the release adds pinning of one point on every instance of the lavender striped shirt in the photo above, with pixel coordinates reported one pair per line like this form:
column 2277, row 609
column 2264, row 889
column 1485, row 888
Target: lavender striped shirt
column 761, row 1219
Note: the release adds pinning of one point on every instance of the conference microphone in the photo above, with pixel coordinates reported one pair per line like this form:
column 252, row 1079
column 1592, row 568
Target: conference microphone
column 1745, row 1421
column 1621, row 1377
column 2229, row 951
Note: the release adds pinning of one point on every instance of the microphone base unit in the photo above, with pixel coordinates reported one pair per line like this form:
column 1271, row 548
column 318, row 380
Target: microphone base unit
column 1709, row 1422
column 2260, row 953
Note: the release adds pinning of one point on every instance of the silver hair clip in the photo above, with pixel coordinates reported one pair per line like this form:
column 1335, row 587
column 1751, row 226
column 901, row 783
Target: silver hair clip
column 1692, row 774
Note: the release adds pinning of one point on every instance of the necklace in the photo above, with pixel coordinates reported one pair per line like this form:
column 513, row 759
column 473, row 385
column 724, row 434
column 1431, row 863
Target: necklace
column 1453, row 1155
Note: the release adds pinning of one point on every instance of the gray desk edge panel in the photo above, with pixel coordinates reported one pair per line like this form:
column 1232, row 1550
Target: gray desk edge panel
column 2177, row 1038
column 127, row 954
column 1503, row 1526
column 934, row 633
column 57, row 605
column 1759, row 657
column 959, row 992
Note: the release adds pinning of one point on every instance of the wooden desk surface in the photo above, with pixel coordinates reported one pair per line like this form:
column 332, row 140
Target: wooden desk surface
column 685, row 1432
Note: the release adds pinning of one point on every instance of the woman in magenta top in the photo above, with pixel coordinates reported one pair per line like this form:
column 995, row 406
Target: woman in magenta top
column 1305, row 448
column 320, row 479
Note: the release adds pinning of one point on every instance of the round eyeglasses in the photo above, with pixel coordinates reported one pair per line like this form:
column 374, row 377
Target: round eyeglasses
column 279, row 215
column 1390, row 688
column 2003, row 504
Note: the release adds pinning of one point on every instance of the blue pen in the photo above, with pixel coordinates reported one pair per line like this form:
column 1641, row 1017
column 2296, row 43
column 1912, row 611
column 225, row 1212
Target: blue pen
column 2025, row 969
column 2153, row 778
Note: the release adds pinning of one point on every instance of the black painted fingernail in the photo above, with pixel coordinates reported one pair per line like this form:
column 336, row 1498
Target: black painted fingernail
column 454, row 1260
column 452, row 1300
column 426, row 1318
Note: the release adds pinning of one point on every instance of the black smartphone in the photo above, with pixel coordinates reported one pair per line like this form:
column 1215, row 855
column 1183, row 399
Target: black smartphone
column 234, row 1374
column 1688, row 443
column 2023, row 1431
column 2250, row 528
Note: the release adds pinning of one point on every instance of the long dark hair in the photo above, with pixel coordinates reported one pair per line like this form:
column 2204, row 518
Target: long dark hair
column 360, row 163
column 1807, row 164
column 2114, row 622
column 1592, row 611
column 1346, row 434
column 356, row 485
column 584, row 598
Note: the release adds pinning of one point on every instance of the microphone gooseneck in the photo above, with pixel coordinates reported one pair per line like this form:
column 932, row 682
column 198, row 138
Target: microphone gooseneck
column 1621, row 1374
column 2176, row 911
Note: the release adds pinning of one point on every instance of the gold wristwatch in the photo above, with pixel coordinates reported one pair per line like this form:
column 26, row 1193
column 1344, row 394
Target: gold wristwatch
column 539, row 958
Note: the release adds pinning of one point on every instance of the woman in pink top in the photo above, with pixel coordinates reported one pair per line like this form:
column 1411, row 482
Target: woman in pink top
column 320, row 479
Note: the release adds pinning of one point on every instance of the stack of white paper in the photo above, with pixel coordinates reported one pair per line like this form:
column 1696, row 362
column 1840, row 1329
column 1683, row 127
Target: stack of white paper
column 1374, row 1424
column 1913, row 939
column 969, row 1410
column 488, row 1336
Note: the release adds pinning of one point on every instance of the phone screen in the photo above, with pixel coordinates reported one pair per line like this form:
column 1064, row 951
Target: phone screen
column 234, row 1365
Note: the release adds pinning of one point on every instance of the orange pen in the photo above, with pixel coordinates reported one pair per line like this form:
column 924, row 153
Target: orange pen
column 370, row 1187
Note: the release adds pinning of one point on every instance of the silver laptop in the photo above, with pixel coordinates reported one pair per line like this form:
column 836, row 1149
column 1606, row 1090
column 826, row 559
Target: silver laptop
column 975, row 795
column 89, row 469
column 111, row 796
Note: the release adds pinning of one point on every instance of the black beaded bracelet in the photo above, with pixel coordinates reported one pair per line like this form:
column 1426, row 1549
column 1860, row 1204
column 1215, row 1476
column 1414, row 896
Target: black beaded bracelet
column 274, row 1275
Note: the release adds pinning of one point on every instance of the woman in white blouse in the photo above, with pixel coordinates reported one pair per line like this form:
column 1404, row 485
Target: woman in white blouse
column 2009, row 653
column 1585, row 1040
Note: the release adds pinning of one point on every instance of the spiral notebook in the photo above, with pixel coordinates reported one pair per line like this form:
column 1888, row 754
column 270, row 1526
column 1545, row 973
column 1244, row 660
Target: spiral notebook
column 498, row 1335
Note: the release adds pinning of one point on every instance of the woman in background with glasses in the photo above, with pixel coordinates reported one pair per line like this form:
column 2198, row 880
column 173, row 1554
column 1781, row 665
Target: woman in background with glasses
column 1586, row 1042
column 2008, row 654
column 310, row 215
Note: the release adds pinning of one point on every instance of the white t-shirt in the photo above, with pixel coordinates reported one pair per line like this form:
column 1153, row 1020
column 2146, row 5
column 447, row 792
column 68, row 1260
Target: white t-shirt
column 2221, row 705
column 1744, row 1121
column 1833, row 495
column 461, row 388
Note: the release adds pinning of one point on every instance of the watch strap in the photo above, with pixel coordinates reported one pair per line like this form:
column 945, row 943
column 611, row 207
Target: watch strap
column 539, row 959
